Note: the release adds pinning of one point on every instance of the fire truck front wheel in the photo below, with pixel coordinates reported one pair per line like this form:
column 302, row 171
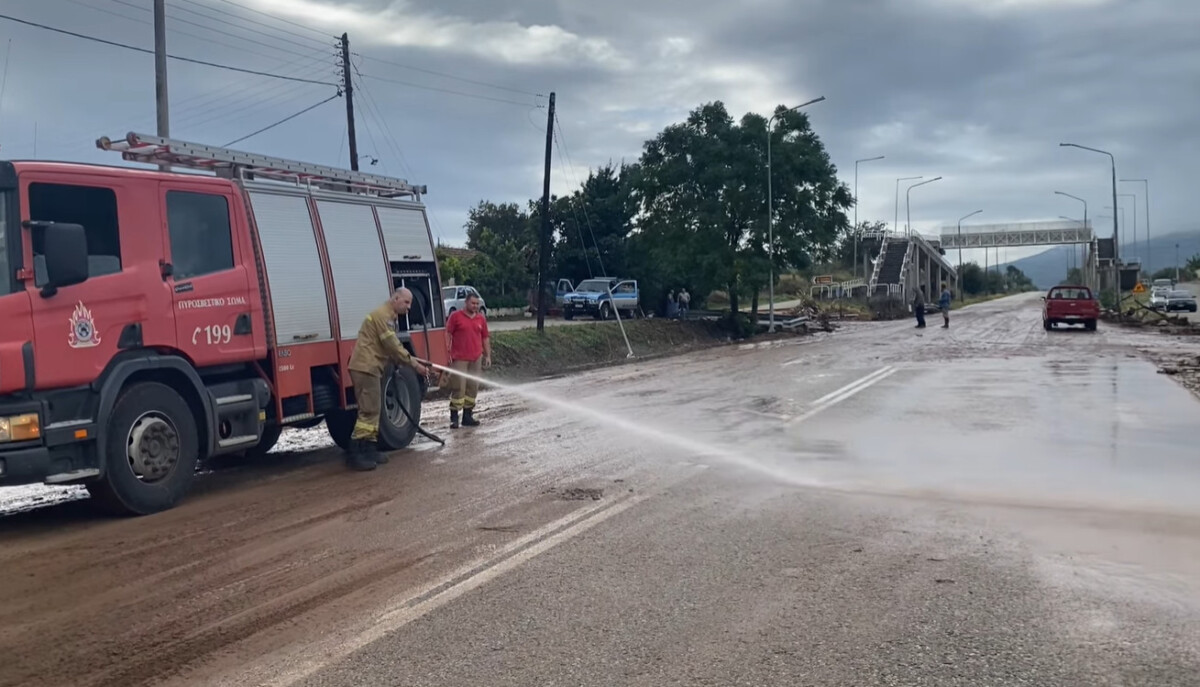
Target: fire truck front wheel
column 151, row 450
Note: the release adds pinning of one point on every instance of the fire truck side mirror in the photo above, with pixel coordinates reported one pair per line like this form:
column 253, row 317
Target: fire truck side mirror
column 65, row 257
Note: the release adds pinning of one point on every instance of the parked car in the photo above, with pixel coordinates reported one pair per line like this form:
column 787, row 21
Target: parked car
column 600, row 297
column 455, row 298
column 1158, row 298
column 1180, row 301
column 1070, row 305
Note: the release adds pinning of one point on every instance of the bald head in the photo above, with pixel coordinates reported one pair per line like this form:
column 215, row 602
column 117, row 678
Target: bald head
column 401, row 300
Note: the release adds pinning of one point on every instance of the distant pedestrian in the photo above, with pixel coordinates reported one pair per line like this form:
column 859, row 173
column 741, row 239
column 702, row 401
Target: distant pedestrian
column 470, row 352
column 919, row 307
column 672, row 305
column 944, row 305
column 685, row 303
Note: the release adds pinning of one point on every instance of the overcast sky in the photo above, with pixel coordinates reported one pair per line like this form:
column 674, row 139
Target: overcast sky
column 979, row 92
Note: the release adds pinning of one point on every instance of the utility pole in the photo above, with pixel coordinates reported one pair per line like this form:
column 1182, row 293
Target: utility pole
column 160, row 73
column 856, row 228
column 348, row 90
column 544, row 240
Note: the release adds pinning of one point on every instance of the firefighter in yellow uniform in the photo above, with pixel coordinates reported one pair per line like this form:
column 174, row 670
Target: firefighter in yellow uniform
column 377, row 345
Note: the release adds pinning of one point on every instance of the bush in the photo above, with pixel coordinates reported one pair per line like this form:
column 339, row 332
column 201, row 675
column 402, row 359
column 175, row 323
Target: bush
column 738, row 325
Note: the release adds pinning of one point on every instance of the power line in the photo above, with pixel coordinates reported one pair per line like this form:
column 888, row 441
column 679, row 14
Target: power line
column 285, row 119
column 445, row 90
column 173, row 57
column 252, row 21
column 271, row 16
column 186, row 33
column 562, row 141
column 452, row 76
column 181, row 20
column 389, row 138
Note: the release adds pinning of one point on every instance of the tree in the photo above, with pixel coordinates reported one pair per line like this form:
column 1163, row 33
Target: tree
column 702, row 191
column 1016, row 280
column 507, row 242
column 1192, row 265
column 1074, row 276
column 972, row 280
column 593, row 224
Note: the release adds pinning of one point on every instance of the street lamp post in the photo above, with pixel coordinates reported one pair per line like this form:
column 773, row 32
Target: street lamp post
column 856, row 233
column 1085, row 214
column 908, row 209
column 1177, row 263
column 1133, row 236
column 1116, row 247
column 770, row 214
column 960, row 263
column 1146, row 196
column 896, row 219
column 1073, row 258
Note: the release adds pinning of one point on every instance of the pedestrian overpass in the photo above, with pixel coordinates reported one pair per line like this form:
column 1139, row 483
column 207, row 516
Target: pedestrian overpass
column 1017, row 234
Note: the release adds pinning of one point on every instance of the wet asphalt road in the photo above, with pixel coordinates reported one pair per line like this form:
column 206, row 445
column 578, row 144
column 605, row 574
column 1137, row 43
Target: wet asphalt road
column 986, row 505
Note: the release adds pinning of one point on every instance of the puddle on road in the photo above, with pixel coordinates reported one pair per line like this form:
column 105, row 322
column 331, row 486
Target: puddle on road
column 1106, row 433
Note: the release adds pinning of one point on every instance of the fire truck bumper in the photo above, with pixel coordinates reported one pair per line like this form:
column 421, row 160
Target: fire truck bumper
column 24, row 465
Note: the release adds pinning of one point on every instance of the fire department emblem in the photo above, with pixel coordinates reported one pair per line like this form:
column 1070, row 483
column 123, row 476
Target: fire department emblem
column 83, row 332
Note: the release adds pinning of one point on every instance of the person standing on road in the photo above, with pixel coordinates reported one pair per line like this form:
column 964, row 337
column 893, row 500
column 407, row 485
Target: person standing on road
column 944, row 305
column 377, row 345
column 919, row 306
column 470, row 351
column 685, row 303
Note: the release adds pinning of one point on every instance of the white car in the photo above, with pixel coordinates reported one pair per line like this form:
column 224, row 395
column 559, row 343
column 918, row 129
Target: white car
column 1159, row 297
column 455, row 298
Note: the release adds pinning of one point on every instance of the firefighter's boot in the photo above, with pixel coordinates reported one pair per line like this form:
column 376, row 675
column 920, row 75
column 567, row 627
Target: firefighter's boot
column 371, row 451
column 469, row 418
column 356, row 458
column 453, row 418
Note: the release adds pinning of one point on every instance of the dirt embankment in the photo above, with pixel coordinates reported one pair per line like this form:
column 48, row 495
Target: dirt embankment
column 525, row 354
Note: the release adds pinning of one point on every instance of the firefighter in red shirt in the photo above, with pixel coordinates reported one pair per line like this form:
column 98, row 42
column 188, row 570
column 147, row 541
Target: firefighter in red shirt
column 470, row 352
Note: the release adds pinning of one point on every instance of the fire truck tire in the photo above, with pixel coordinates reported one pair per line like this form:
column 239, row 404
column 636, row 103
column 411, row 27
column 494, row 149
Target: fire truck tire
column 401, row 386
column 340, row 424
column 270, row 437
column 151, row 450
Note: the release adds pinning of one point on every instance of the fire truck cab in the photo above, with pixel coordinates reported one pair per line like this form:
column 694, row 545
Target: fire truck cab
column 153, row 320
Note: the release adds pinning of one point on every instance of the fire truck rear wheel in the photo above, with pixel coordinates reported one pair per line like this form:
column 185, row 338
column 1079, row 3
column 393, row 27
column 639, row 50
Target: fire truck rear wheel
column 151, row 450
column 403, row 387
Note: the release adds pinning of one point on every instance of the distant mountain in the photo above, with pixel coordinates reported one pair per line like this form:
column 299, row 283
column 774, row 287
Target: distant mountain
column 1049, row 268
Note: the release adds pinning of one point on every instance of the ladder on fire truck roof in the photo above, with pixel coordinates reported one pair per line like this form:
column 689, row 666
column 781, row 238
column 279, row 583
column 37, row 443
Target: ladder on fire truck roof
column 236, row 164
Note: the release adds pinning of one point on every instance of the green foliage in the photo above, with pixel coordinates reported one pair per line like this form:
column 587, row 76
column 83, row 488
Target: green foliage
column 1164, row 273
column 1193, row 264
column 738, row 325
column 593, row 224
column 1074, row 277
column 701, row 186
column 1108, row 299
column 525, row 352
column 692, row 213
column 972, row 281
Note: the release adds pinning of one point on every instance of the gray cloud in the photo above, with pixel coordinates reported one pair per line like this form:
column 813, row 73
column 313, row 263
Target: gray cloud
column 978, row 91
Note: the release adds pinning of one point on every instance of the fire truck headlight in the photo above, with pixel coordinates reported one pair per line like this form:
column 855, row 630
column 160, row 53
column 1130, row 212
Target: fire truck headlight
column 20, row 428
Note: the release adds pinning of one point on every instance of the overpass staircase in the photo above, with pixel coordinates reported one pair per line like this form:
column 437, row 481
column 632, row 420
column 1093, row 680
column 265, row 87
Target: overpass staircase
column 888, row 277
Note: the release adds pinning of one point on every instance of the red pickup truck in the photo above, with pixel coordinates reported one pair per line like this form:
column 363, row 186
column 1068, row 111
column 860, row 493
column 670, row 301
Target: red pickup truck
column 1070, row 305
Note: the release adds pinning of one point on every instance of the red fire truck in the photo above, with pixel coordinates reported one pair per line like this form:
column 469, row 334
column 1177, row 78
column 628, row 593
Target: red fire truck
column 152, row 320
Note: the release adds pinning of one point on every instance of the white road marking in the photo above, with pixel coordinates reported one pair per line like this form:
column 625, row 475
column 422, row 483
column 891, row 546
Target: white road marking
column 291, row 666
column 835, row 397
column 852, row 385
column 286, row 670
